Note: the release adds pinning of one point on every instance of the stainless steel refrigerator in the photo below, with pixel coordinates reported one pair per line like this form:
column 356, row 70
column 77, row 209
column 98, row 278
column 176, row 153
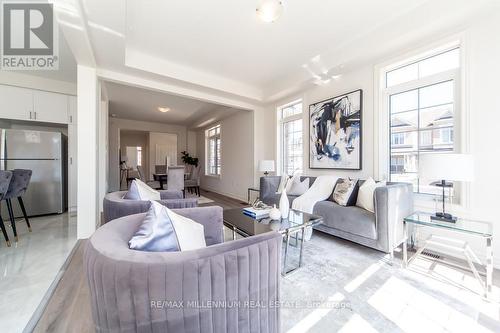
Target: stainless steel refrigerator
column 44, row 154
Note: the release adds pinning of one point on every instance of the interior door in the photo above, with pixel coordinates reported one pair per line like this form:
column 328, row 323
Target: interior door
column 132, row 153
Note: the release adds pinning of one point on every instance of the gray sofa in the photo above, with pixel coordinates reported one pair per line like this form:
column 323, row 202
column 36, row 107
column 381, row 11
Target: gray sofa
column 134, row 291
column 382, row 230
column 114, row 206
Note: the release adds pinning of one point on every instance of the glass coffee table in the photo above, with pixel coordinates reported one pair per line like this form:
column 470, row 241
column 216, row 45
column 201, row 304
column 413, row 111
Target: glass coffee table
column 296, row 223
column 470, row 227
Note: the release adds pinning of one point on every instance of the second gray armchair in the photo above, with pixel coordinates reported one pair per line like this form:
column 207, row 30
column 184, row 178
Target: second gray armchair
column 114, row 206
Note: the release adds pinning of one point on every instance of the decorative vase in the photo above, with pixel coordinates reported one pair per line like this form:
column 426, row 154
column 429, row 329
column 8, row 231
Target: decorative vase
column 284, row 205
column 274, row 213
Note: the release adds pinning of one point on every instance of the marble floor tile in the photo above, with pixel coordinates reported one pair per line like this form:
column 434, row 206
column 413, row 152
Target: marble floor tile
column 28, row 267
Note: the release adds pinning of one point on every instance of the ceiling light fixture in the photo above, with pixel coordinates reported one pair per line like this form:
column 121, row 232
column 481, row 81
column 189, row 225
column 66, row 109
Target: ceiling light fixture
column 269, row 10
column 163, row 109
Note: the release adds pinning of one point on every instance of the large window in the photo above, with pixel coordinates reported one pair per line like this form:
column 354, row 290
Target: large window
column 291, row 146
column 212, row 138
column 422, row 101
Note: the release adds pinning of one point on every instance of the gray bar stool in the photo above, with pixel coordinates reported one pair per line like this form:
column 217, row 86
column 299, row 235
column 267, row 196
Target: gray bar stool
column 18, row 186
column 5, row 178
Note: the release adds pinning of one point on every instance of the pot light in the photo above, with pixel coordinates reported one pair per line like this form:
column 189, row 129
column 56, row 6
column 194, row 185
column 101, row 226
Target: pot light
column 269, row 10
column 163, row 109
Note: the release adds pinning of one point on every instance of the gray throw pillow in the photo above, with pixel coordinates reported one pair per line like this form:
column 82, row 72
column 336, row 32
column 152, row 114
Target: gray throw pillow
column 156, row 233
column 346, row 192
column 299, row 187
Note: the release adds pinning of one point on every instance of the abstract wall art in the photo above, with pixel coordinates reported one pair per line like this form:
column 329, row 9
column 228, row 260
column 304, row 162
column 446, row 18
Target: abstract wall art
column 335, row 132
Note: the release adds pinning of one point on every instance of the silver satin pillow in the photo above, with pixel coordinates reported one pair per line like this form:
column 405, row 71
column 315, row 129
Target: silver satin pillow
column 133, row 192
column 156, row 233
column 299, row 187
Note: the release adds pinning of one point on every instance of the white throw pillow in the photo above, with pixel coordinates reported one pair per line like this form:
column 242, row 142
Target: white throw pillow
column 146, row 192
column 366, row 192
column 298, row 188
column 190, row 234
column 291, row 181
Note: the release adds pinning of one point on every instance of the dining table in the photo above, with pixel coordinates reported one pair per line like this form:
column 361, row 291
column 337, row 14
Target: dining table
column 163, row 177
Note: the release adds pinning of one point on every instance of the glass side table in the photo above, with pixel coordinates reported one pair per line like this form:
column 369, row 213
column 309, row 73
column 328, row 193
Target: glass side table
column 483, row 230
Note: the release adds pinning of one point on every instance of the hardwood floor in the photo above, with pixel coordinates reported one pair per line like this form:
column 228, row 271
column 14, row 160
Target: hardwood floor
column 68, row 310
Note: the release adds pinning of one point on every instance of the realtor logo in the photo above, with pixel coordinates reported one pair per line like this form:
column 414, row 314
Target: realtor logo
column 29, row 36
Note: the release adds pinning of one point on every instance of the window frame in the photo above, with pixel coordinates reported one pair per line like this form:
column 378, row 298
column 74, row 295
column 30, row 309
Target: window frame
column 217, row 151
column 281, row 133
column 462, row 113
column 449, row 75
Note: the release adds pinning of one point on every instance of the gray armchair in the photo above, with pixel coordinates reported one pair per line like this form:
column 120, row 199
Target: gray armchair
column 114, row 206
column 134, row 291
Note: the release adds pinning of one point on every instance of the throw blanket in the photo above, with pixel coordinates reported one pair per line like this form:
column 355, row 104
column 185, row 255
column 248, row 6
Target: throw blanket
column 320, row 190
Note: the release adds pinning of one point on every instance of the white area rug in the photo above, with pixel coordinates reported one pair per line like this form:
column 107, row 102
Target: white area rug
column 201, row 199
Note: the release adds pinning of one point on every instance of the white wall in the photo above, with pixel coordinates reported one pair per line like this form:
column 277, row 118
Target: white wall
column 88, row 148
column 482, row 70
column 237, row 156
column 359, row 79
column 483, row 99
column 117, row 124
column 191, row 143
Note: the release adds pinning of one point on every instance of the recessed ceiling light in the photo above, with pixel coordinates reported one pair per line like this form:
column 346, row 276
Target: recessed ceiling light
column 163, row 109
column 269, row 10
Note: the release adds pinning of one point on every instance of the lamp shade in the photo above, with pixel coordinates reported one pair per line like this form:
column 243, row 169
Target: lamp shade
column 266, row 166
column 457, row 167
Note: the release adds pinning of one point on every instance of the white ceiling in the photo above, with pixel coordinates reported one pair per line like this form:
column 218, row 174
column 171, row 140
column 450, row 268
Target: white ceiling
column 140, row 104
column 221, row 45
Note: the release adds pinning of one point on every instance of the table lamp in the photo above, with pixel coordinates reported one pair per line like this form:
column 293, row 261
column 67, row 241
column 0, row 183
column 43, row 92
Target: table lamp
column 442, row 166
column 266, row 166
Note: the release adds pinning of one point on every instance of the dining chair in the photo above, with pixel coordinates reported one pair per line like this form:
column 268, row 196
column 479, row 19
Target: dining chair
column 17, row 188
column 161, row 169
column 194, row 180
column 176, row 179
column 5, row 178
column 140, row 171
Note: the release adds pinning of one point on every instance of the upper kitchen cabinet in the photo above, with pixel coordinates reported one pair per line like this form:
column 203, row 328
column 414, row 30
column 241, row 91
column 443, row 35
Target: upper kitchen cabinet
column 72, row 110
column 50, row 107
column 16, row 103
column 33, row 105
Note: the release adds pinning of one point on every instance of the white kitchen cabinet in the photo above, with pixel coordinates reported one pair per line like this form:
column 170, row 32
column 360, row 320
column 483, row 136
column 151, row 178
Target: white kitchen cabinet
column 16, row 103
column 33, row 105
column 72, row 155
column 50, row 107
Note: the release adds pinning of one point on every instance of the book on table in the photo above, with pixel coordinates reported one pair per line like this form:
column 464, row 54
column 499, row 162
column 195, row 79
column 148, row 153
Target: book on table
column 256, row 213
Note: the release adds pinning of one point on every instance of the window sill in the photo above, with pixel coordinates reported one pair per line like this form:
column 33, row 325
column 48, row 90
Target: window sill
column 213, row 176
